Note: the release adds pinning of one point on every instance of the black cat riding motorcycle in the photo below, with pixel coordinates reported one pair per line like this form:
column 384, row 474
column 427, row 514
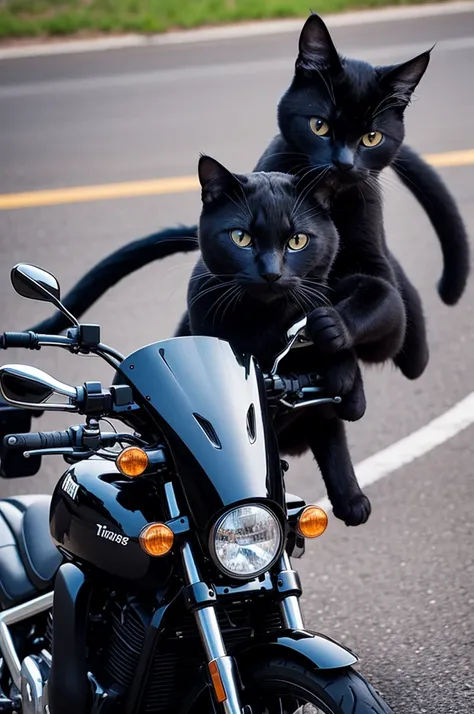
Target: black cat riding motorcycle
column 157, row 578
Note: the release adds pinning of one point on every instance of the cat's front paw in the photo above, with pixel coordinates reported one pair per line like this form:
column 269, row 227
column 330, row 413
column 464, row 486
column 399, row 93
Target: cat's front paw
column 353, row 404
column 328, row 331
column 354, row 511
column 341, row 375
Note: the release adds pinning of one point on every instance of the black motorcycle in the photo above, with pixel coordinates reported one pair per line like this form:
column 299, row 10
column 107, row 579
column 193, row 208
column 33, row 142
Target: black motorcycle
column 158, row 578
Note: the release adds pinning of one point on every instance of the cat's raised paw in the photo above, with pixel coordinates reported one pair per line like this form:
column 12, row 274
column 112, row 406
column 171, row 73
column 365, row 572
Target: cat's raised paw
column 328, row 331
column 355, row 511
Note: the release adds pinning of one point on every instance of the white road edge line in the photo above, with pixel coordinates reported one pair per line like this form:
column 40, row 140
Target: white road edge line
column 240, row 30
column 412, row 447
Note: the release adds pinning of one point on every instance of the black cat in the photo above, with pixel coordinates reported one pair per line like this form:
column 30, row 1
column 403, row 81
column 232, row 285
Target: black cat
column 267, row 256
column 341, row 123
column 321, row 140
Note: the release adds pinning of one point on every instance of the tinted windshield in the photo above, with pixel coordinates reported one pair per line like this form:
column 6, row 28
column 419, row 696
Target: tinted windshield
column 208, row 404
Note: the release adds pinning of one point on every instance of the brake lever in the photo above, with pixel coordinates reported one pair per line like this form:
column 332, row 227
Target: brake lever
column 310, row 402
column 65, row 451
column 72, row 454
column 294, row 334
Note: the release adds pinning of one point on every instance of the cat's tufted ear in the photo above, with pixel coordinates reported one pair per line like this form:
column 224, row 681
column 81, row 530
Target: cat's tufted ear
column 215, row 179
column 316, row 48
column 402, row 79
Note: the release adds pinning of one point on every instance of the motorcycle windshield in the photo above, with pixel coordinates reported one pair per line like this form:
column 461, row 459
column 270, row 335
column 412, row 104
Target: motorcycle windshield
column 209, row 403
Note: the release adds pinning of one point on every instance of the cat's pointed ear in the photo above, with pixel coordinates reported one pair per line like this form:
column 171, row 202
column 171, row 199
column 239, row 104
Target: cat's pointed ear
column 402, row 79
column 214, row 178
column 316, row 48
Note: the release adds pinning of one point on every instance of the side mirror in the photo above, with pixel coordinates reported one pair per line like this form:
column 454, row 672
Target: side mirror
column 35, row 283
column 29, row 387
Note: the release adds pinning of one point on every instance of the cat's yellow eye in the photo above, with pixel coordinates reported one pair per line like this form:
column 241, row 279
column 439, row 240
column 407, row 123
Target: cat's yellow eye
column 319, row 126
column 298, row 241
column 373, row 138
column 240, row 238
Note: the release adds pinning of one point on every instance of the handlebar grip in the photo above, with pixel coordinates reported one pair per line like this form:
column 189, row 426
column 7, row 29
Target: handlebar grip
column 306, row 380
column 19, row 339
column 39, row 440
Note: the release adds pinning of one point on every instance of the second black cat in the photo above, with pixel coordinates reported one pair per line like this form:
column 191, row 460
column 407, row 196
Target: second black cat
column 341, row 124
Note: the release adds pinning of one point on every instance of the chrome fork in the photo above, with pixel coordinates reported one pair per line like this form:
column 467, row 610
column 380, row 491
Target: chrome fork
column 290, row 589
column 201, row 600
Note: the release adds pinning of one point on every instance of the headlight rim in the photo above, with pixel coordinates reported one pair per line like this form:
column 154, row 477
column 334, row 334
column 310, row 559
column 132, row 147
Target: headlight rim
column 212, row 541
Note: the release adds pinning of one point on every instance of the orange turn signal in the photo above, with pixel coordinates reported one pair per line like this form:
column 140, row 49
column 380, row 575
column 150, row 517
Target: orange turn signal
column 156, row 539
column 312, row 522
column 219, row 690
column 132, row 461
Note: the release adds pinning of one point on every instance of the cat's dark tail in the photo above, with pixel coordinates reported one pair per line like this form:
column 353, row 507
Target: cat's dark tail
column 116, row 266
column 433, row 195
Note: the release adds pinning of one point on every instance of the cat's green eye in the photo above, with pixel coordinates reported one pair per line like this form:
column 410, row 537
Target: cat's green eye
column 319, row 126
column 298, row 241
column 240, row 238
column 373, row 138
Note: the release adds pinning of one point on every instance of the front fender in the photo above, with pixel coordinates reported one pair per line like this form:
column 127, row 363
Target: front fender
column 311, row 648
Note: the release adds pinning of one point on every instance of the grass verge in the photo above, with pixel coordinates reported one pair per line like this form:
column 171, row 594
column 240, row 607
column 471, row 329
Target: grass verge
column 29, row 18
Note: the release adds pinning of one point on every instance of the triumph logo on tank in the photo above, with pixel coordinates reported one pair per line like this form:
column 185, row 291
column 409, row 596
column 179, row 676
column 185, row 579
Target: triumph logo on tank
column 70, row 487
column 102, row 532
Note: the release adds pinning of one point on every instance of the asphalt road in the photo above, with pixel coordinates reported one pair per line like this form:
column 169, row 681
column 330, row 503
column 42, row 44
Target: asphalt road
column 399, row 590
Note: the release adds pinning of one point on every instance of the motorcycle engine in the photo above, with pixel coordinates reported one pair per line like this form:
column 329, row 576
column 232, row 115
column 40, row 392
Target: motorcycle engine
column 118, row 637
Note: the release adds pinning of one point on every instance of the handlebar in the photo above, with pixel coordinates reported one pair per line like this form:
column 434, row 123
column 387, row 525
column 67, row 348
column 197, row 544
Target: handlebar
column 295, row 383
column 276, row 384
column 29, row 340
column 81, row 440
column 291, row 391
column 83, row 339
column 33, row 340
column 41, row 440
column 288, row 392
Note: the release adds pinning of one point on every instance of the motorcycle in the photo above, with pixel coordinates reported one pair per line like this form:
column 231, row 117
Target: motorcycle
column 157, row 578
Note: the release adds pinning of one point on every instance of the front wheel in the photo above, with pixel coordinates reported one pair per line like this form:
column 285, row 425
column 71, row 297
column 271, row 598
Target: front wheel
column 282, row 686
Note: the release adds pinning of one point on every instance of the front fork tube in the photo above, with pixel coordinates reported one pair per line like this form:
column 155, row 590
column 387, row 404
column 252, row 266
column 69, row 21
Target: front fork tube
column 289, row 588
column 201, row 601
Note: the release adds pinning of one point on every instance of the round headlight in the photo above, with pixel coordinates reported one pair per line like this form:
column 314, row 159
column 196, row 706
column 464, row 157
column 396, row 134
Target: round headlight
column 246, row 541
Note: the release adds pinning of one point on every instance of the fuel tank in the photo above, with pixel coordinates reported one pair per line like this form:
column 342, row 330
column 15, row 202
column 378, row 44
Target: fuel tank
column 96, row 517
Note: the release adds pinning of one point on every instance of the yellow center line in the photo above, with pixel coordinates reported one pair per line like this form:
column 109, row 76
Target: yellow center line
column 162, row 186
column 80, row 194
column 464, row 157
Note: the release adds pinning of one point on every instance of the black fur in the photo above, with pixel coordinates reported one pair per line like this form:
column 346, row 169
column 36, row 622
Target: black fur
column 443, row 213
column 352, row 98
column 251, row 295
